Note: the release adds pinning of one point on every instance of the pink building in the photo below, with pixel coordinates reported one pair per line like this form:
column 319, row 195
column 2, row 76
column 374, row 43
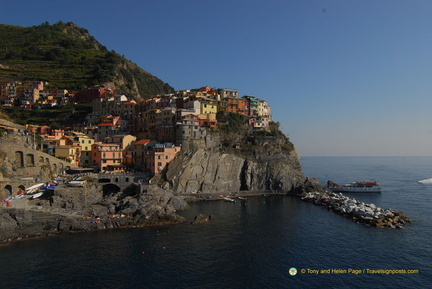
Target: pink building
column 161, row 155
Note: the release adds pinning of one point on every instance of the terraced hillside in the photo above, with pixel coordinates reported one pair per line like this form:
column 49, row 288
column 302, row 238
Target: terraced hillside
column 68, row 57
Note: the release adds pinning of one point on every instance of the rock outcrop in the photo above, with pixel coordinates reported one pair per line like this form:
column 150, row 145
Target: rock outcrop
column 208, row 167
column 84, row 209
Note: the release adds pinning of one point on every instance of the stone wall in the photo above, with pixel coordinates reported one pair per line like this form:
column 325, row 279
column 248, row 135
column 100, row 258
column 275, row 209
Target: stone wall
column 21, row 165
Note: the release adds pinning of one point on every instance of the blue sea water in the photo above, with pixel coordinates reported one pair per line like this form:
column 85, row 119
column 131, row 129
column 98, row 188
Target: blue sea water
column 250, row 244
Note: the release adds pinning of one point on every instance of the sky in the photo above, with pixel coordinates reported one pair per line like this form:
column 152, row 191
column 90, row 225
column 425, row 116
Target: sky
column 343, row 78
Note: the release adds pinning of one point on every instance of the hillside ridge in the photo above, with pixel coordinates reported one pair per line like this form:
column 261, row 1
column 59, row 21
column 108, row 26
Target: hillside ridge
column 68, row 57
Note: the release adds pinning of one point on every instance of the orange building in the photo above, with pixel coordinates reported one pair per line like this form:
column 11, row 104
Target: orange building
column 104, row 155
column 237, row 105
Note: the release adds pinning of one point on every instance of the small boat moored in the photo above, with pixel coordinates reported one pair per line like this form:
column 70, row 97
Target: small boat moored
column 355, row 187
column 229, row 199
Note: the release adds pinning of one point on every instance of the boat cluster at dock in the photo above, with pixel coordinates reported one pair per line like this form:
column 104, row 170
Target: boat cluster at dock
column 358, row 211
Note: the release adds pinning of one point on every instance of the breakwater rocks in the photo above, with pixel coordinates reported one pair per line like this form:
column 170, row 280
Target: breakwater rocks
column 358, row 211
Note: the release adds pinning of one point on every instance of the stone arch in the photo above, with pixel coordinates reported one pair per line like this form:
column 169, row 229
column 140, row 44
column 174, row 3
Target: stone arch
column 41, row 160
column 110, row 189
column 29, row 160
column 61, row 168
column 47, row 161
column 116, row 180
column 19, row 158
column 22, row 187
column 8, row 188
column 127, row 180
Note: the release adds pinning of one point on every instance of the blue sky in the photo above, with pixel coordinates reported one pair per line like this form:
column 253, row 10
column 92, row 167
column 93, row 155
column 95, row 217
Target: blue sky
column 342, row 77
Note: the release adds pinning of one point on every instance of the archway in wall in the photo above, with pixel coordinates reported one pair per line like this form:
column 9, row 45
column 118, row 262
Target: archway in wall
column 8, row 189
column 55, row 168
column 41, row 160
column 19, row 158
column 110, row 189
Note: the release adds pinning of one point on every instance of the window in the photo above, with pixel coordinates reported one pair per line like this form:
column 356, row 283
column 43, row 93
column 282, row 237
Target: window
column 166, row 157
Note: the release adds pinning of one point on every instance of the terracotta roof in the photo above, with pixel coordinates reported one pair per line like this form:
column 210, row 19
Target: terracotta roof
column 142, row 142
column 106, row 124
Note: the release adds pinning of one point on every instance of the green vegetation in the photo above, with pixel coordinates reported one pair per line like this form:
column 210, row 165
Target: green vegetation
column 237, row 137
column 229, row 122
column 56, row 117
column 67, row 57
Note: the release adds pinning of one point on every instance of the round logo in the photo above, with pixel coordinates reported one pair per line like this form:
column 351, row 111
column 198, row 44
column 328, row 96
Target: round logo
column 293, row 271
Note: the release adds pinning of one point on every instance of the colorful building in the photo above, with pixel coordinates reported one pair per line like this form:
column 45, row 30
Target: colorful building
column 141, row 149
column 161, row 155
column 104, row 155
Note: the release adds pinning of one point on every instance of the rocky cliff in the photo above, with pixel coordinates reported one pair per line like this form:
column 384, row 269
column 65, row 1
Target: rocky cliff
column 211, row 166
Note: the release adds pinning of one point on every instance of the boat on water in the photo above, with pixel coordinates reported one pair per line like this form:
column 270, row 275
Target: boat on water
column 242, row 198
column 425, row 182
column 355, row 187
column 228, row 199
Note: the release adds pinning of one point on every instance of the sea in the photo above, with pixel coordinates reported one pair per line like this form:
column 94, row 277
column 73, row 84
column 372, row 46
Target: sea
column 263, row 242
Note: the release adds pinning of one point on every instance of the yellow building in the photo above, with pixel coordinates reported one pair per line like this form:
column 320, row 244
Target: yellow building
column 208, row 107
column 86, row 147
column 68, row 153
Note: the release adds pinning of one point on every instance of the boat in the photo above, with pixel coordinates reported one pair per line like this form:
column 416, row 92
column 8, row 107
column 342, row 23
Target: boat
column 75, row 184
column 47, row 188
column 228, row 199
column 355, row 187
column 32, row 188
column 242, row 198
column 425, row 182
column 35, row 196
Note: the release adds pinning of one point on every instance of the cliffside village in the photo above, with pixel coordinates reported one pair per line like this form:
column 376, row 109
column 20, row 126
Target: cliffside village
column 122, row 134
